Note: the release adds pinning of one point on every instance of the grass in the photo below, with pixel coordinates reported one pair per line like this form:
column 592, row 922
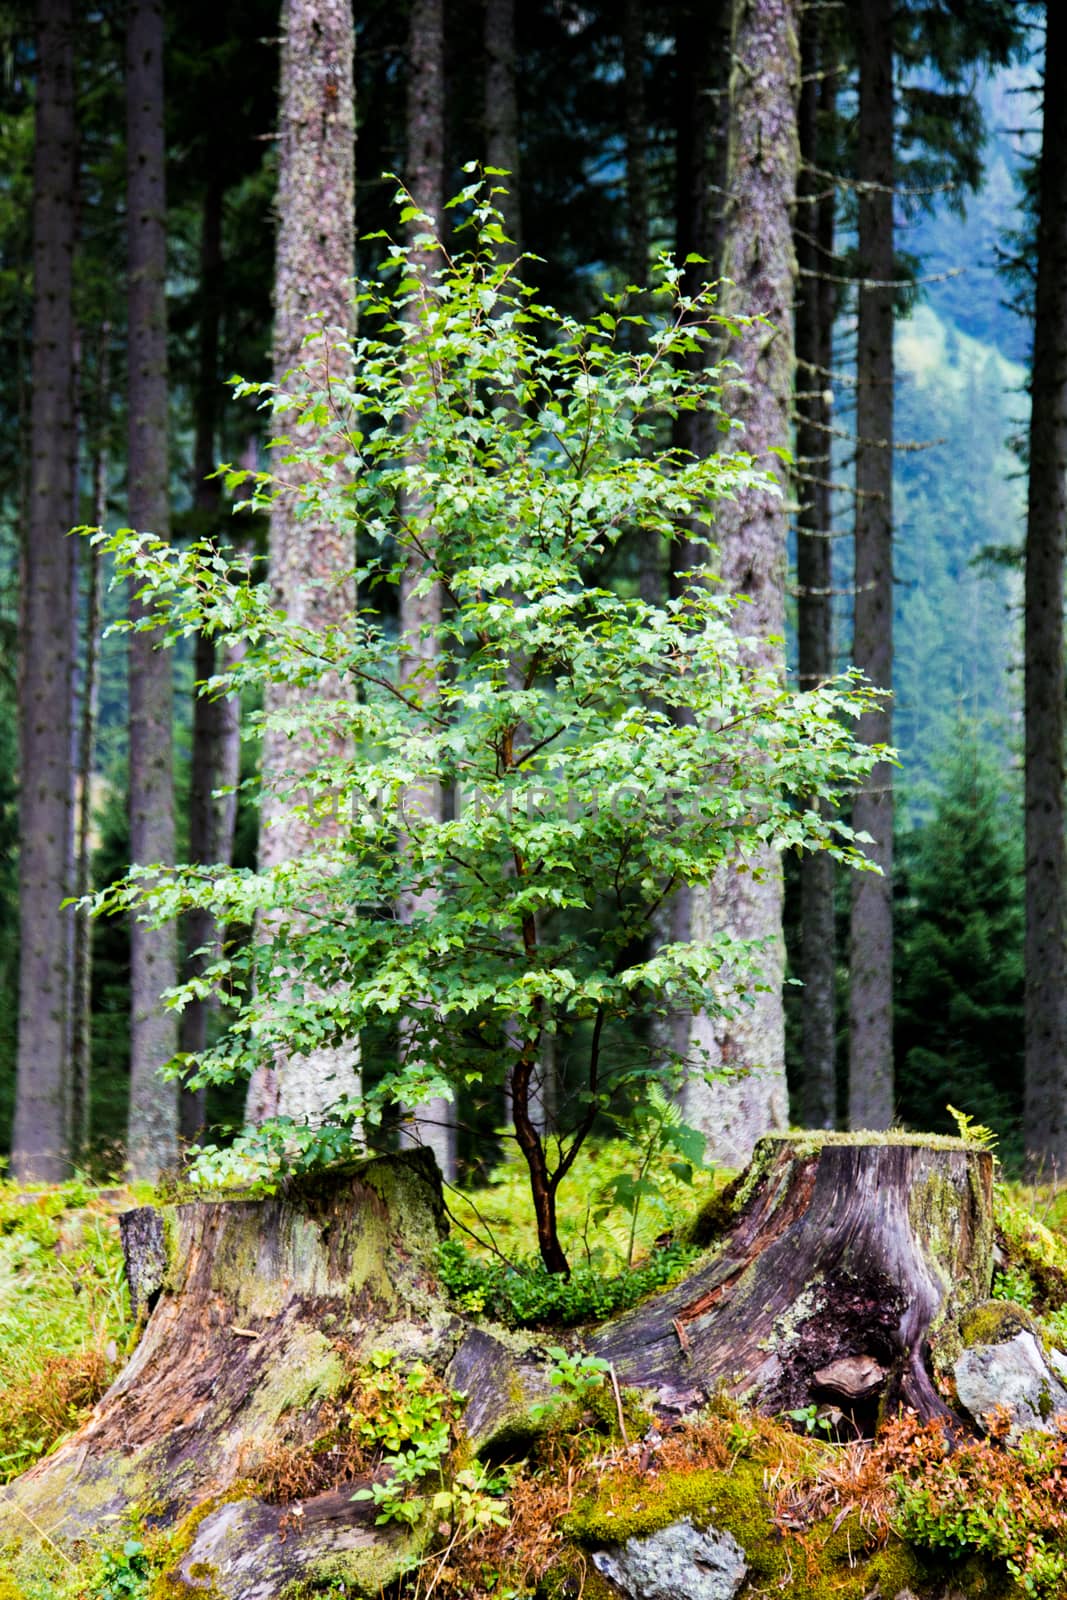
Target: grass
column 498, row 1219
column 64, row 1312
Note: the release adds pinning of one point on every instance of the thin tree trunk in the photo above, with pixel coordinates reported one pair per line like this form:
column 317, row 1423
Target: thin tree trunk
column 153, row 1123
column 751, row 535
column 815, row 321
column 634, row 56
column 433, row 1124
column 502, row 116
column 210, row 717
column 41, row 1138
column 870, row 1090
column 1045, row 1107
column 701, row 61
column 311, row 564
column 81, row 1032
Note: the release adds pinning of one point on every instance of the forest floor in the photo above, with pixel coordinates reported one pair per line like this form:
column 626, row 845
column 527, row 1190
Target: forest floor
column 806, row 1506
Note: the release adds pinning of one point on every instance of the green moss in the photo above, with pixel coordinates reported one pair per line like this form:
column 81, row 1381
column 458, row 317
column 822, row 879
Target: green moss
column 844, row 1562
column 994, row 1322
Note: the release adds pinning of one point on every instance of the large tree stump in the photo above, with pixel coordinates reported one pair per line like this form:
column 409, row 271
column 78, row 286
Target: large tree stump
column 844, row 1256
column 238, row 1354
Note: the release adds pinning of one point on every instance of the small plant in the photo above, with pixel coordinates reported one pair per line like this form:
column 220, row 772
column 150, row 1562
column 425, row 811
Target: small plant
column 1014, row 1284
column 575, row 1376
column 123, row 1575
column 809, row 1420
column 667, row 1144
column 976, row 1497
column 524, row 1295
column 972, row 1132
column 406, row 1417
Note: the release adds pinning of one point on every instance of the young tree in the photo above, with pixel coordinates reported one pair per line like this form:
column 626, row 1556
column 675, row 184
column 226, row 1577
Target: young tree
column 870, row 1095
column 751, row 533
column 527, row 442
column 1045, row 1115
column 41, row 1140
column 312, row 561
column 153, row 1119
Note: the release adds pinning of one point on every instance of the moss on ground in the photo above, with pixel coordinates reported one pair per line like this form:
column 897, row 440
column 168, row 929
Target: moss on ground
column 825, row 1561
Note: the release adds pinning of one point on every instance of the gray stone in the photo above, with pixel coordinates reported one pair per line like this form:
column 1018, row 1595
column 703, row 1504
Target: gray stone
column 677, row 1563
column 1013, row 1376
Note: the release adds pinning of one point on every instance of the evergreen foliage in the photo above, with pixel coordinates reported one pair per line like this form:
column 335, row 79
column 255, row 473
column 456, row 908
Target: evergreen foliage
column 959, row 955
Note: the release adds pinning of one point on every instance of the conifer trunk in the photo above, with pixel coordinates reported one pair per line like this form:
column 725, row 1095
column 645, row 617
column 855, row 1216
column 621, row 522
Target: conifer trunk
column 870, row 1096
column 502, row 116
column 814, row 322
column 636, row 131
column 1045, row 1107
column 81, row 1029
column 214, row 721
column 751, row 536
column 153, row 1118
column 433, row 1125
column 41, row 1138
column 311, row 564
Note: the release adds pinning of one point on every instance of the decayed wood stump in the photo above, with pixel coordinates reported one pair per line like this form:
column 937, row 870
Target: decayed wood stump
column 238, row 1353
column 845, row 1255
column 841, row 1259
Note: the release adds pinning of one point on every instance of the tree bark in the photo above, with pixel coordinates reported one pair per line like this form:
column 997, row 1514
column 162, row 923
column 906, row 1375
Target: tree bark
column 153, row 1119
column 433, row 1123
column 253, row 1308
column 502, row 116
column 751, row 537
column 311, row 564
column 814, row 323
column 870, row 1076
column 835, row 1251
column 1045, row 1107
column 41, row 1138
column 216, row 731
column 81, row 983
column 634, row 56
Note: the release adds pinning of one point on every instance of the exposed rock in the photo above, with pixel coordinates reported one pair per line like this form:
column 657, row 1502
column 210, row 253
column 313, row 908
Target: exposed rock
column 1011, row 1376
column 678, row 1563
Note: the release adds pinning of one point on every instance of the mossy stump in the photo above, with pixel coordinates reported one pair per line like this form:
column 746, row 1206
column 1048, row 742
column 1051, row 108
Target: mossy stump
column 250, row 1301
column 843, row 1257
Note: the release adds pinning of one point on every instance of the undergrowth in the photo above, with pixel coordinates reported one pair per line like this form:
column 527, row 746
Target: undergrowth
column 64, row 1314
column 526, row 1296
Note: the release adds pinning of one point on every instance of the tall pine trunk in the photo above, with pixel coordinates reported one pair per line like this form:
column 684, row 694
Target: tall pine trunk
column 701, row 58
column 214, row 720
column 814, row 322
column 41, row 1139
column 502, row 116
column 751, row 534
column 433, row 1124
column 81, row 983
column 153, row 1120
column 636, row 131
column 1045, row 1107
column 870, row 1072
column 311, row 563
